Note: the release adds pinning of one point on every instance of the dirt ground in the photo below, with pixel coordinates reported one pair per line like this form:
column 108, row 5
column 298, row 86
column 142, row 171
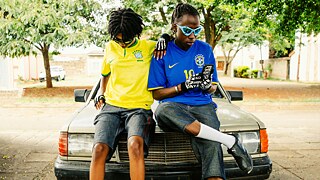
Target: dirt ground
column 262, row 90
column 20, row 160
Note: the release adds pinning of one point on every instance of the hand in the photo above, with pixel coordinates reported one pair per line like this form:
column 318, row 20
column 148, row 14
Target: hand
column 99, row 101
column 206, row 83
column 161, row 46
column 193, row 82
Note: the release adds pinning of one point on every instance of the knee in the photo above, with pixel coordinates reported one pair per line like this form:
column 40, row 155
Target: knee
column 100, row 150
column 135, row 147
column 162, row 109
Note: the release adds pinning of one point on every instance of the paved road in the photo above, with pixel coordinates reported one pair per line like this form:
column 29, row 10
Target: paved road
column 29, row 134
column 28, row 139
column 294, row 142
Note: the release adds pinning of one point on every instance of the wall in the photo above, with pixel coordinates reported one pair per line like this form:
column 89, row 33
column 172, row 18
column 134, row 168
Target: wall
column 93, row 63
column 6, row 74
column 248, row 56
column 280, row 67
column 309, row 58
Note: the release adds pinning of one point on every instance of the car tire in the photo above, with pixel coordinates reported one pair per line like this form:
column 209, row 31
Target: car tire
column 64, row 78
column 58, row 79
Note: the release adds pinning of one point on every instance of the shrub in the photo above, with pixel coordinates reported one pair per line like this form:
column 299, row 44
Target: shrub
column 254, row 73
column 245, row 75
column 241, row 70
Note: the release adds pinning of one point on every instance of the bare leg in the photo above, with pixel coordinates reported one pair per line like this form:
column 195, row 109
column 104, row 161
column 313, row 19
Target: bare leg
column 97, row 166
column 193, row 128
column 214, row 178
column 136, row 157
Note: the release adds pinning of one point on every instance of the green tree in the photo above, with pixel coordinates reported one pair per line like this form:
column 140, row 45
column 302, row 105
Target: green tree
column 30, row 25
column 235, row 39
column 215, row 16
column 291, row 15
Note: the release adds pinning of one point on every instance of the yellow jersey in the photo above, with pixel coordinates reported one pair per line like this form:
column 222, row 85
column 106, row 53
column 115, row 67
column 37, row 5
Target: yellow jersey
column 129, row 70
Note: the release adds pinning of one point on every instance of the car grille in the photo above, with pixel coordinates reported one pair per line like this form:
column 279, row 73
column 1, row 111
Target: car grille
column 165, row 148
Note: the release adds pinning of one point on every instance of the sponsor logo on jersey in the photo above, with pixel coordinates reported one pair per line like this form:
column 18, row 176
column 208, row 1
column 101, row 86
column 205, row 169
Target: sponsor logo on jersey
column 171, row 66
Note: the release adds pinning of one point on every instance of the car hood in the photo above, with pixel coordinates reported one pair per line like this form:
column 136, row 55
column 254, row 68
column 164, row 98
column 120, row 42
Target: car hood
column 232, row 118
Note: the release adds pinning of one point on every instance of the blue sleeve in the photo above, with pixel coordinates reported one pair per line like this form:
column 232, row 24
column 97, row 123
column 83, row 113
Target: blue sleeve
column 157, row 77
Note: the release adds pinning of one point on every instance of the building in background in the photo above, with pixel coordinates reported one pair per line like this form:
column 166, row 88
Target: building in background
column 309, row 66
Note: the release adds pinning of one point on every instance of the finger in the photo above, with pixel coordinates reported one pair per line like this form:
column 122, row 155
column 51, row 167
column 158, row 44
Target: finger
column 158, row 54
column 161, row 54
column 162, row 45
column 157, row 46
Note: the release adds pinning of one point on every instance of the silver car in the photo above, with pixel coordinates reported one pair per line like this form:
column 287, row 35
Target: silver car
column 170, row 155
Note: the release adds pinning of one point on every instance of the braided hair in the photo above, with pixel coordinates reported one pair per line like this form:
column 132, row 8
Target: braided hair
column 126, row 22
column 183, row 9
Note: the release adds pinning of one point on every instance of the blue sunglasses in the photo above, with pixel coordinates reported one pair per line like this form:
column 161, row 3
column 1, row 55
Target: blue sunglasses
column 188, row 31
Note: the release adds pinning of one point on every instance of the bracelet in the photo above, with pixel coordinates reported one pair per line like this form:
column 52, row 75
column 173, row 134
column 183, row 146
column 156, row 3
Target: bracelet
column 176, row 88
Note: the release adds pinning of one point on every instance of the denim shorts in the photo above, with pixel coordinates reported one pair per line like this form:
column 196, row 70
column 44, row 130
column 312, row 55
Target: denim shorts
column 112, row 121
column 173, row 116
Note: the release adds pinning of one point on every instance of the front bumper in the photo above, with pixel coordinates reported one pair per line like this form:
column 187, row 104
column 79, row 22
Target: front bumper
column 80, row 170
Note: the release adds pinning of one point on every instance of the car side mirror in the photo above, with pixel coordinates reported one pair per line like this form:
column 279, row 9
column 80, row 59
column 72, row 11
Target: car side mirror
column 81, row 95
column 236, row 95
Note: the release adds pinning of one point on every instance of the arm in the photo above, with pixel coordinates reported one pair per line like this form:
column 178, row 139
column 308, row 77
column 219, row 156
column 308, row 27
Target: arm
column 163, row 93
column 161, row 46
column 212, row 89
column 100, row 95
column 193, row 82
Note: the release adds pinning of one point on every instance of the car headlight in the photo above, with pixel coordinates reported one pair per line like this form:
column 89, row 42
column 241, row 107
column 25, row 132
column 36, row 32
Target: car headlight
column 80, row 144
column 250, row 140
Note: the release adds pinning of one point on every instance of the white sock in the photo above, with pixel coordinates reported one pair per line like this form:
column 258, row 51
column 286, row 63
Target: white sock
column 211, row 134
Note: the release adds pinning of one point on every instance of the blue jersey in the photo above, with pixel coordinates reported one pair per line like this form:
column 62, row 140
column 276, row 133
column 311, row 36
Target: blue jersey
column 177, row 65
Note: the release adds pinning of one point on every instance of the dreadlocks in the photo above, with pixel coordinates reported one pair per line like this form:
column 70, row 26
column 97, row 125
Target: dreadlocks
column 182, row 9
column 126, row 22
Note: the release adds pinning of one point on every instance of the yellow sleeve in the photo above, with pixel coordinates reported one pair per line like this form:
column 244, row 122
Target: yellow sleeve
column 105, row 69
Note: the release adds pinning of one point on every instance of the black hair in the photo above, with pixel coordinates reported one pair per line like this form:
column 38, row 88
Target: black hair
column 126, row 22
column 183, row 9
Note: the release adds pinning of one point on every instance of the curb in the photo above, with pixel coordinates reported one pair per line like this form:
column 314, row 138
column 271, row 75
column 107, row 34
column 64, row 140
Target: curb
column 271, row 106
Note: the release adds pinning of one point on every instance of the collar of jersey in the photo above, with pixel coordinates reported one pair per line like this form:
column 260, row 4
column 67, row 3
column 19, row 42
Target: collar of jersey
column 135, row 43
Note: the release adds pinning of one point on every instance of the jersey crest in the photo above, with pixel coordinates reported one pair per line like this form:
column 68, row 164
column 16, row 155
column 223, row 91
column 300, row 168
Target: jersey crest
column 138, row 54
column 199, row 60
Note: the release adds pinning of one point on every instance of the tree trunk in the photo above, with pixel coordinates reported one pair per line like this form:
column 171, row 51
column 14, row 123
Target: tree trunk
column 163, row 15
column 206, row 25
column 45, row 55
column 226, row 68
column 298, row 69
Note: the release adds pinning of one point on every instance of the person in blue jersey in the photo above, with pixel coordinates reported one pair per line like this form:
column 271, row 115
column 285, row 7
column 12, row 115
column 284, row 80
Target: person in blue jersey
column 183, row 88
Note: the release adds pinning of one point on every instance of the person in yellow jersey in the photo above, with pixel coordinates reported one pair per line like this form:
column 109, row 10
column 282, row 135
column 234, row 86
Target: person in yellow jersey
column 123, row 98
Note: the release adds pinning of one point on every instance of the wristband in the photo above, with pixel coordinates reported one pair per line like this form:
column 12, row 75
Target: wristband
column 176, row 88
column 183, row 87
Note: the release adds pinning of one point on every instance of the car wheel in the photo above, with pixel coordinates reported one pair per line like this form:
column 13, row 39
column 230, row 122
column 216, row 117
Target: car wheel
column 58, row 78
column 64, row 78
